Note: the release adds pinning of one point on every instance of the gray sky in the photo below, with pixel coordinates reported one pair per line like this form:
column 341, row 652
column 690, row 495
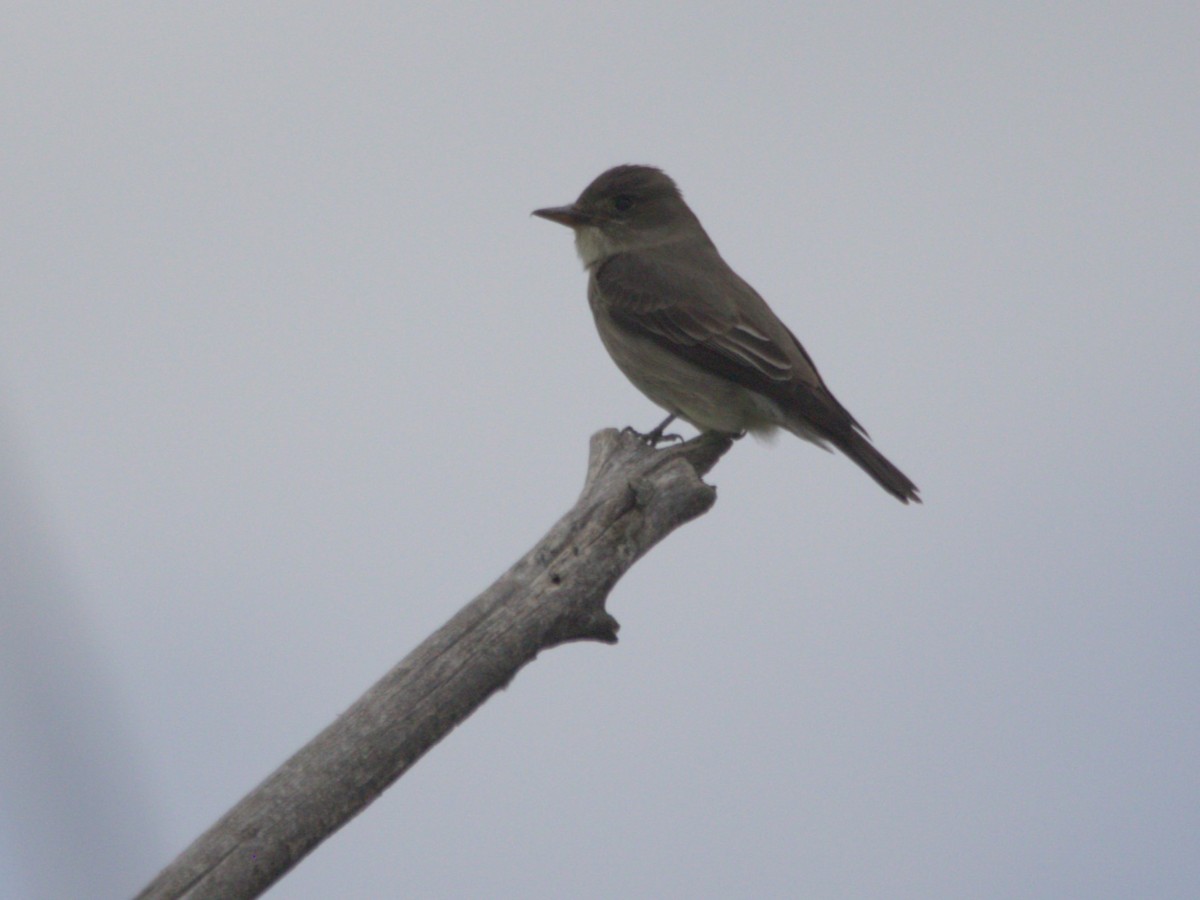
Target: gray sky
column 288, row 374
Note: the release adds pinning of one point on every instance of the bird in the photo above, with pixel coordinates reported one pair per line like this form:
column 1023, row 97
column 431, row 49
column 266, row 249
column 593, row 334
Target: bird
column 691, row 334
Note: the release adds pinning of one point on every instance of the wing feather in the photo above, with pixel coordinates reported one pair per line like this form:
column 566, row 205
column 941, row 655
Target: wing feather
column 688, row 310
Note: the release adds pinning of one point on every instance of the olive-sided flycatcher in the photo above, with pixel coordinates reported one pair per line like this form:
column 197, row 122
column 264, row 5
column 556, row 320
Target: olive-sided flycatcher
column 690, row 333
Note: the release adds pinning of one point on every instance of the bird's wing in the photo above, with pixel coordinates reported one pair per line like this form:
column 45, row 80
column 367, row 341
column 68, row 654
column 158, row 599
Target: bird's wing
column 690, row 311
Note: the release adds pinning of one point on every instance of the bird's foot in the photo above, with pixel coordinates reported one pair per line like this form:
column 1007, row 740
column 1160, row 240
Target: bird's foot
column 656, row 437
column 652, row 438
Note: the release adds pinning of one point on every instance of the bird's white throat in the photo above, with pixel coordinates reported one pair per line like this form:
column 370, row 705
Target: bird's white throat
column 592, row 245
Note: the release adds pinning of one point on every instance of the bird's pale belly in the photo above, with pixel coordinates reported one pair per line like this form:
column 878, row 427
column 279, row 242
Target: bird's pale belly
column 707, row 401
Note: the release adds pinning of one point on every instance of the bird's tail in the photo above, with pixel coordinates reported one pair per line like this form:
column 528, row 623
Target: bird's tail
column 875, row 464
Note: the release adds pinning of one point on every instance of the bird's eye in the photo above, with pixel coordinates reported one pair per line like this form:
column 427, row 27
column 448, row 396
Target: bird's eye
column 622, row 202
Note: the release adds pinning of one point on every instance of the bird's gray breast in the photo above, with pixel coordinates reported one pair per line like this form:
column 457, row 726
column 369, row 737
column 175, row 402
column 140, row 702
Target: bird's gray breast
column 707, row 400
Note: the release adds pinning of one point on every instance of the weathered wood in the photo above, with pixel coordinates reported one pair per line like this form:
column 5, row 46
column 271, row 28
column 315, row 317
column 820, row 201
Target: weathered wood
column 633, row 497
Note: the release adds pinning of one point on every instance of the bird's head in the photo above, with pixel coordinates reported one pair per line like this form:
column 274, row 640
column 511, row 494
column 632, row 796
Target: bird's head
column 626, row 208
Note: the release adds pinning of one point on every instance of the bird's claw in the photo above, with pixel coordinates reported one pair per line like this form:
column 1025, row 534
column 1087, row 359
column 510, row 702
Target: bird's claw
column 655, row 438
column 651, row 438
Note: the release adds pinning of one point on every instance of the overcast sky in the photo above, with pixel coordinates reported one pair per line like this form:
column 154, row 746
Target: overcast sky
column 288, row 374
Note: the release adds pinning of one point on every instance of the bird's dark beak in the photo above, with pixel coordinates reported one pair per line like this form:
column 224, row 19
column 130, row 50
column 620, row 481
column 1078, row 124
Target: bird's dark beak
column 571, row 216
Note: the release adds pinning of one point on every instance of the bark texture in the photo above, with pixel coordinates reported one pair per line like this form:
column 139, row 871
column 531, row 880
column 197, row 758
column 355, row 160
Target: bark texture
column 633, row 497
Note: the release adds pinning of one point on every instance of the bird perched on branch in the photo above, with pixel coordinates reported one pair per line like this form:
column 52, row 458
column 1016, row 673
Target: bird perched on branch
column 690, row 333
